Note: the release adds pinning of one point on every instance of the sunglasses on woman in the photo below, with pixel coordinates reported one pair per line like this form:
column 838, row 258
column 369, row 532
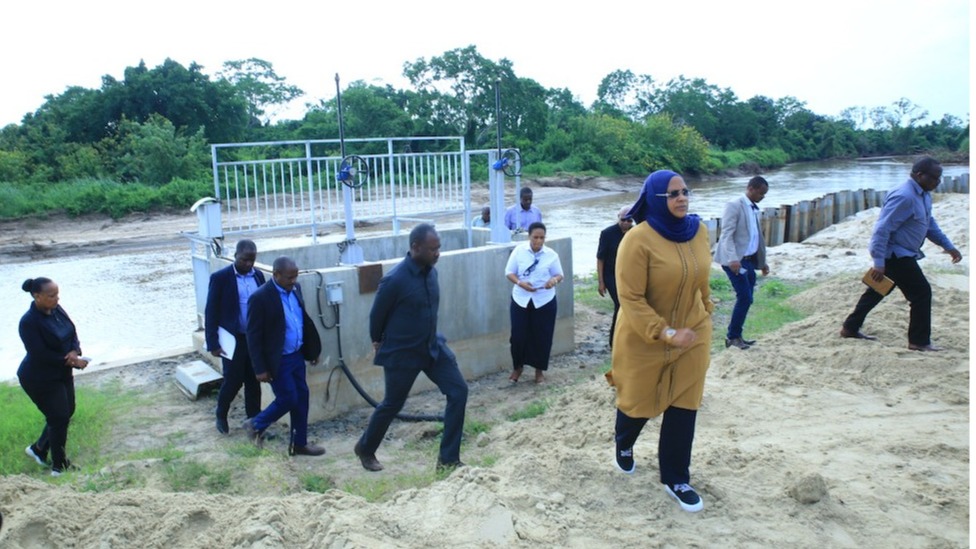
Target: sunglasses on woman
column 675, row 193
column 531, row 268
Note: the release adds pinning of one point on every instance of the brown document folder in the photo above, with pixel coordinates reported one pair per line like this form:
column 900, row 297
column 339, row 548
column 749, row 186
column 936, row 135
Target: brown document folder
column 884, row 287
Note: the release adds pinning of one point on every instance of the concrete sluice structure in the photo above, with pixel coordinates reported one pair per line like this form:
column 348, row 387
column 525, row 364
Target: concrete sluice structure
column 473, row 314
column 260, row 187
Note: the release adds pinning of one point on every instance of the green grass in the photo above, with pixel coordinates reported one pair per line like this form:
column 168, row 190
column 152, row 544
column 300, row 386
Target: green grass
column 192, row 476
column 534, row 409
column 246, row 450
column 316, row 483
column 586, row 292
column 768, row 313
column 98, row 196
column 21, row 423
column 381, row 487
column 473, row 428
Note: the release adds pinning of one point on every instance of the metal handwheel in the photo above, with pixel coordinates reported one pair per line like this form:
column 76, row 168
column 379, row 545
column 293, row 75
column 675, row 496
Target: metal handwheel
column 512, row 162
column 353, row 171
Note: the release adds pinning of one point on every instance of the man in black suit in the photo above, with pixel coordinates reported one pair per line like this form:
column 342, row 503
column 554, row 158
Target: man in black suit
column 227, row 297
column 280, row 338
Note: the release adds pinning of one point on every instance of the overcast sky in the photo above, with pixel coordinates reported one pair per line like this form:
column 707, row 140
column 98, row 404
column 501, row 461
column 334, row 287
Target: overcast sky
column 831, row 54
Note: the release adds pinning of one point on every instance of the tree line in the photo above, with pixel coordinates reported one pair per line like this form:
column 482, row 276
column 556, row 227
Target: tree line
column 142, row 142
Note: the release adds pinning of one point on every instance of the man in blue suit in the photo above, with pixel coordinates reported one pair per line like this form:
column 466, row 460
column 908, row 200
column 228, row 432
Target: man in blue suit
column 403, row 327
column 227, row 297
column 280, row 338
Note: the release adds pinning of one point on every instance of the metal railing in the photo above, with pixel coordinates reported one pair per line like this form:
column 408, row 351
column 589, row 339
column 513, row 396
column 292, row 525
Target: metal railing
column 275, row 185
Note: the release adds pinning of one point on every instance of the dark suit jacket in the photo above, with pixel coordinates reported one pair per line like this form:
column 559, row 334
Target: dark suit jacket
column 47, row 339
column 266, row 329
column 223, row 304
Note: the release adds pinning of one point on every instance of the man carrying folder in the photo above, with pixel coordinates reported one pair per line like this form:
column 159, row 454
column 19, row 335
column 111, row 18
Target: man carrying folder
column 225, row 320
column 903, row 225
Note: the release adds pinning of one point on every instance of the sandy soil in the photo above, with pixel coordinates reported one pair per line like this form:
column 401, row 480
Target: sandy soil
column 806, row 440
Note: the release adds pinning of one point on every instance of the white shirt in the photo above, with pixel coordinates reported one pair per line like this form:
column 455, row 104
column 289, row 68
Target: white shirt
column 536, row 268
column 751, row 207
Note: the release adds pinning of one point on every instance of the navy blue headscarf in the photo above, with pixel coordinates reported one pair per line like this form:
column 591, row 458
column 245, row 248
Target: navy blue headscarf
column 654, row 209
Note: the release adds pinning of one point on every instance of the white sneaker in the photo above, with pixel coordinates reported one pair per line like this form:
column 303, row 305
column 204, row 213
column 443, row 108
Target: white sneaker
column 685, row 495
column 30, row 452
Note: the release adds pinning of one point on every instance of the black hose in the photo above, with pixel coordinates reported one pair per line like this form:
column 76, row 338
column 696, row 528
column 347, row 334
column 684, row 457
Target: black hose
column 345, row 369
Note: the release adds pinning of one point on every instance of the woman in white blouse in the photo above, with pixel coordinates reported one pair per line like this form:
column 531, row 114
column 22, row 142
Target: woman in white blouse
column 535, row 270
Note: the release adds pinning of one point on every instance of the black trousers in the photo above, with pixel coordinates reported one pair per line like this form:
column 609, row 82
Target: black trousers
column 399, row 380
column 611, row 285
column 908, row 276
column 238, row 372
column 532, row 331
column 673, row 445
column 56, row 400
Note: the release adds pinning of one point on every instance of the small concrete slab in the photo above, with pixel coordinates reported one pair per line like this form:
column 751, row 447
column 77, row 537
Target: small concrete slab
column 197, row 378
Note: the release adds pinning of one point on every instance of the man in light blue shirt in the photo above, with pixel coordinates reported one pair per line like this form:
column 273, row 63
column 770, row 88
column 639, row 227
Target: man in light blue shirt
column 484, row 220
column 903, row 225
column 521, row 215
column 229, row 290
column 280, row 338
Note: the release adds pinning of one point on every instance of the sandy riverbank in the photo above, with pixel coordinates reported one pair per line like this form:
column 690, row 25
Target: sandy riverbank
column 806, row 440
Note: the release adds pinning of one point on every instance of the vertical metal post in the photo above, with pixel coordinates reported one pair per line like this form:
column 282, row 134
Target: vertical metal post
column 311, row 190
column 496, row 192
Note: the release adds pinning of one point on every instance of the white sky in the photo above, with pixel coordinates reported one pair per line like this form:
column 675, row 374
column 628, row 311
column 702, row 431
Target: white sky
column 832, row 54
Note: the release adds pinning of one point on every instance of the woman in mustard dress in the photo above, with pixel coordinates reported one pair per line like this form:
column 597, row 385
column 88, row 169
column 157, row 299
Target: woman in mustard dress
column 664, row 330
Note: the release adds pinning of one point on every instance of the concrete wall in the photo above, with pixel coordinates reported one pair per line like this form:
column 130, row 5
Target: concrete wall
column 473, row 313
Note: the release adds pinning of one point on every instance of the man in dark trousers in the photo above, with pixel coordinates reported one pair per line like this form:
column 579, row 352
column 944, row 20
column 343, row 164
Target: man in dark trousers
column 903, row 225
column 280, row 338
column 403, row 328
column 741, row 250
column 606, row 260
column 230, row 288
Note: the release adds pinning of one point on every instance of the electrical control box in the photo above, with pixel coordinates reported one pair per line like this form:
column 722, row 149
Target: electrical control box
column 333, row 293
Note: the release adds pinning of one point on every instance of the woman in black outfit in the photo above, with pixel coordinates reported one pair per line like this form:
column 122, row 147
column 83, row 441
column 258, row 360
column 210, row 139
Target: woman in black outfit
column 53, row 352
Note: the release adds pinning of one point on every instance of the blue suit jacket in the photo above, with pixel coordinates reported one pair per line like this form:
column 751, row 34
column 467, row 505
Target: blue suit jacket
column 266, row 329
column 223, row 304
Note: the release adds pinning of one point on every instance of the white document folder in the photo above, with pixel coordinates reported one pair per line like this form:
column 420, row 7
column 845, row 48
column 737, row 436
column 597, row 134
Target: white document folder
column 227, row 343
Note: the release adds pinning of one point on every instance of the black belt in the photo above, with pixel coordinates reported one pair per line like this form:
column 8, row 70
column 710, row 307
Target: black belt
column 750, row 258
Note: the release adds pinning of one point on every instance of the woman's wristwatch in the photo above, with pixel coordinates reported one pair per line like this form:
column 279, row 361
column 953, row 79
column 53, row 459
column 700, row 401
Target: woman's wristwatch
column 669, row 333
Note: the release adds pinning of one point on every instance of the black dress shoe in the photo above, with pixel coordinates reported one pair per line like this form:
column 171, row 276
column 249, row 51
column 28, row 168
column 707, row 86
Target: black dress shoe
column 369, row 461
column 222, row 426
column 924, row 348
column 857, row 335
column 443, row 466
column 310, row 450
column 736, row 342
column 749, row 342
